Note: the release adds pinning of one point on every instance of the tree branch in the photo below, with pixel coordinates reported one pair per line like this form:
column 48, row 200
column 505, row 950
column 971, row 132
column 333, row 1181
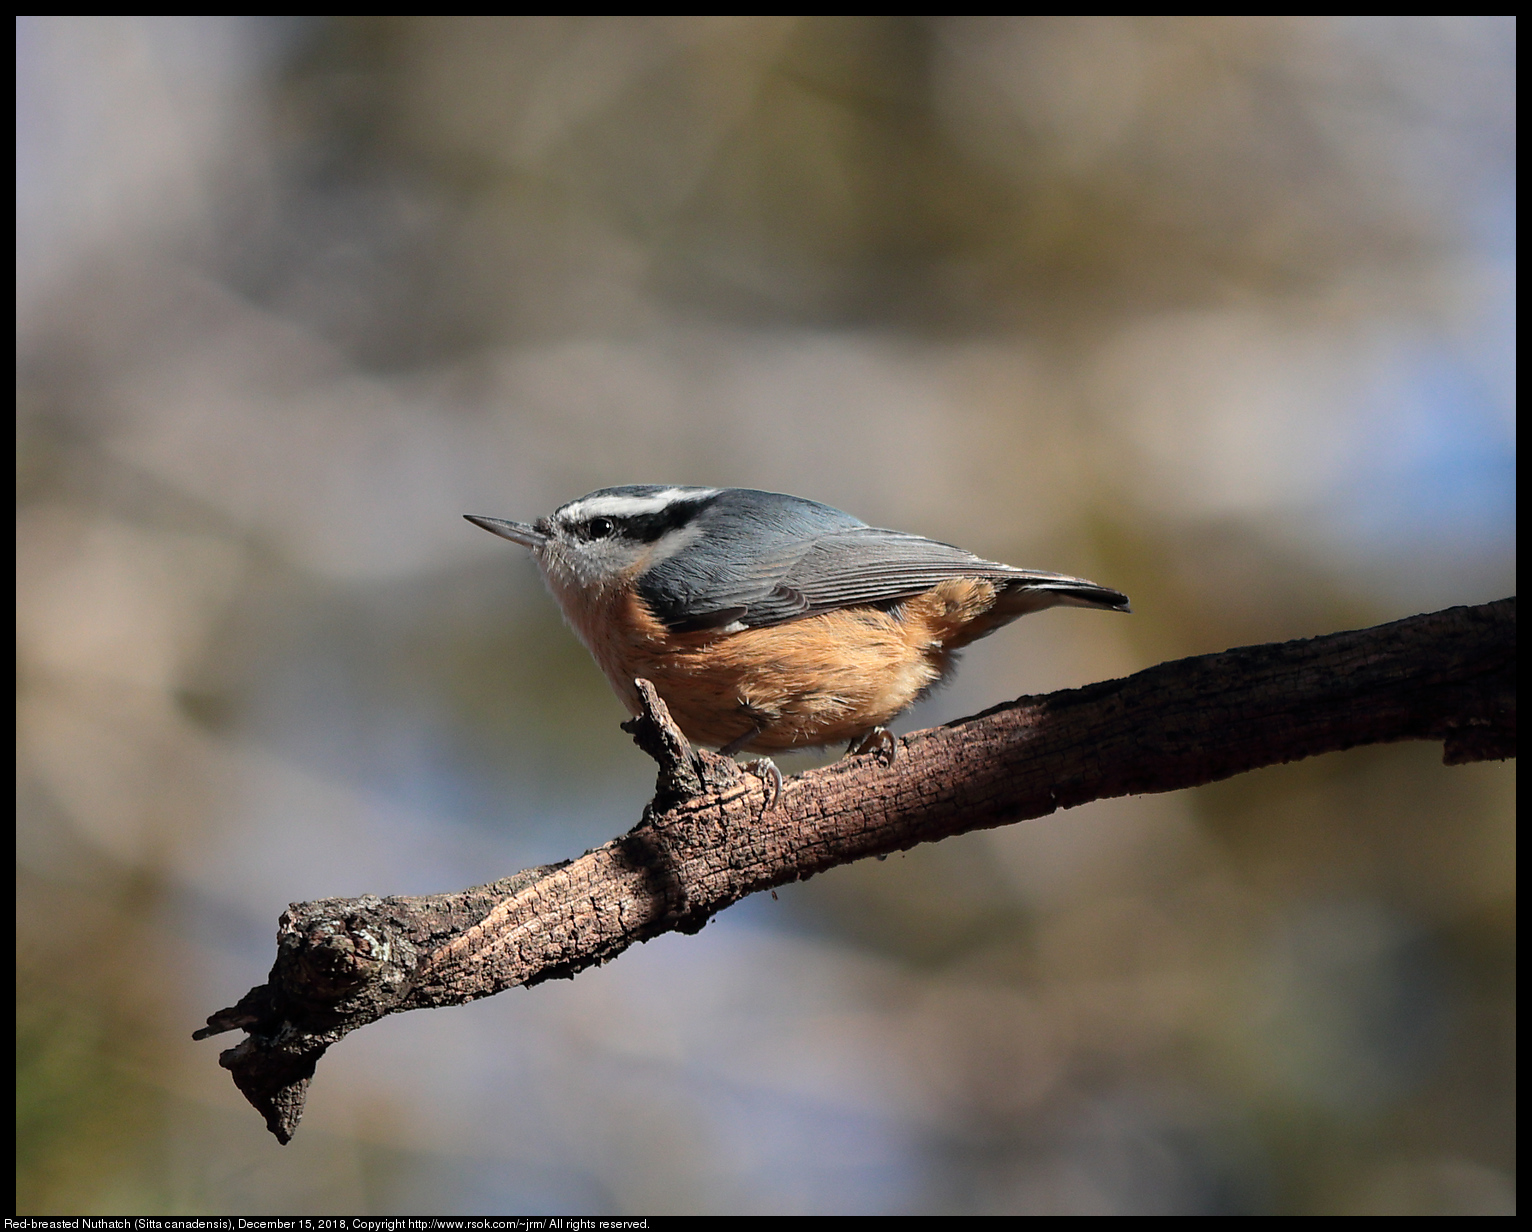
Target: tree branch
column 713, row 834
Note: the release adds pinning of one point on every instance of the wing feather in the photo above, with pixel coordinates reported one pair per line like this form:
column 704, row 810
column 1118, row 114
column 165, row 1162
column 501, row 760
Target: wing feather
column 787, row 577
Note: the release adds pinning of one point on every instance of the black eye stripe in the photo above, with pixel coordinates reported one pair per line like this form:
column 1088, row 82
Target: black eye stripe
column 642, row 527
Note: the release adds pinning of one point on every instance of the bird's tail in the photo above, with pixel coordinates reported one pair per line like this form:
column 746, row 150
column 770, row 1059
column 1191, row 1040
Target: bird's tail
column 1033, row 591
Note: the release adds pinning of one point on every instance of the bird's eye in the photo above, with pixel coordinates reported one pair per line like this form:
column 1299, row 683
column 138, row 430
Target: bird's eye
column 599, row 528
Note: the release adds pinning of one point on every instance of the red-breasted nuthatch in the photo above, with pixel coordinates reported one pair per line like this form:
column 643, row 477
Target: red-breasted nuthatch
column 769, row 622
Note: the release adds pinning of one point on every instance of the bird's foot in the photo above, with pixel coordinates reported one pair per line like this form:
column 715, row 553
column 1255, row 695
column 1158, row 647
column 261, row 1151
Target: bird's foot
column 879, row 740
column 771, row 778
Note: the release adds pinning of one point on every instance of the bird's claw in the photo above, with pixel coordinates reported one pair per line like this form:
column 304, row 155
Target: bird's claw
column 879, row 740
column 771, row 778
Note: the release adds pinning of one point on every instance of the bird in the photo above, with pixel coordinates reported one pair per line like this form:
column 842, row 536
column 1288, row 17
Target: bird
column 768, row 622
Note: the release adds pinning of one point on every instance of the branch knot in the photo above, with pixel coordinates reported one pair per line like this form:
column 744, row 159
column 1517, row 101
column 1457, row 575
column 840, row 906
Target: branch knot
column 684, row 772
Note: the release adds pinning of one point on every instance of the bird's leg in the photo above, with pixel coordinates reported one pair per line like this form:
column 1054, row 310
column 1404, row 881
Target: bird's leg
column 763, row 767
column 734, row 746
column 879, row 740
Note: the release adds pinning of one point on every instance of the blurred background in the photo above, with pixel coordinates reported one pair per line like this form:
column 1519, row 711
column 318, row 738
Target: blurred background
column 1216, row 311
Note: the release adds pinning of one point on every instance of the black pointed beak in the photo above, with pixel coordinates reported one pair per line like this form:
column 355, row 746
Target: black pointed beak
column 517, row 532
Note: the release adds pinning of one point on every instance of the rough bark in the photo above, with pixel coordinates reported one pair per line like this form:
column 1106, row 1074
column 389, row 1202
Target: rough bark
column 714, row 833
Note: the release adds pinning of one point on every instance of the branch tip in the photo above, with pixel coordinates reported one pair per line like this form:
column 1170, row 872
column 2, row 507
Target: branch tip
column 681, row 769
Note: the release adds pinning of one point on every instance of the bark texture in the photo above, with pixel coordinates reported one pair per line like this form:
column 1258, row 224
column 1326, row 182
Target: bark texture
column 715, row 832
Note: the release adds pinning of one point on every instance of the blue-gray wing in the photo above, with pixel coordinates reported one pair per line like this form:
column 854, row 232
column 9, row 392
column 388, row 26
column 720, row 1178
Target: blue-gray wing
column 851, row 566
column 731, row 556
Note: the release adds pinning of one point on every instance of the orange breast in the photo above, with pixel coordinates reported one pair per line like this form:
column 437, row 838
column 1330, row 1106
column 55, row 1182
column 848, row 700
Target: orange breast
column 822, row 680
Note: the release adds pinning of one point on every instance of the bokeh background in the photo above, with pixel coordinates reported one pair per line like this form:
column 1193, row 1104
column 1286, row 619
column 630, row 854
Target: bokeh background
column 1217, row 311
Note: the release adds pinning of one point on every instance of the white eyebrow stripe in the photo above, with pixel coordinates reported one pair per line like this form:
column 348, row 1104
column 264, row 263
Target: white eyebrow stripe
column 618, row 506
